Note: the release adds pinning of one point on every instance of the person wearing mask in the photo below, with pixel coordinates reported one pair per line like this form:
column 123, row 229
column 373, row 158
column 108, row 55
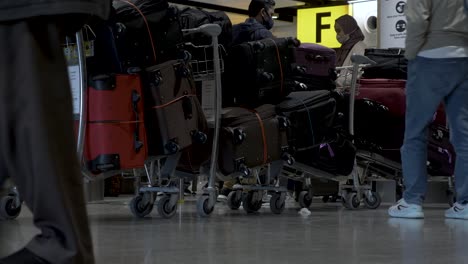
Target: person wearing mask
column 437, row 50
column 37, row 146
column 350, row 36
column 258, row 25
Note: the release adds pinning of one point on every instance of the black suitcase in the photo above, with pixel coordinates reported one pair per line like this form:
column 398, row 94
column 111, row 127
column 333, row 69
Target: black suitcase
column 193, row 18
column 258, row 72
column 391, row 64
column 251, row 138
column 150, row 37
column 311, row 115
column 337, row 156
column 174, row 118
column 440, row 153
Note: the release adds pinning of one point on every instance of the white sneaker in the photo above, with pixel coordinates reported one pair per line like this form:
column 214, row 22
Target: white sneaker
column 458, row 211
column 405, row 210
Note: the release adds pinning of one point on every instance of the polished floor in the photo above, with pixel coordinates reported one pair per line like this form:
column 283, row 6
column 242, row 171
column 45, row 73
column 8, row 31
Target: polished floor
column 330, row 234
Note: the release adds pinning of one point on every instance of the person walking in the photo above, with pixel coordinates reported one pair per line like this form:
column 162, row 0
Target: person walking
column 37, row 146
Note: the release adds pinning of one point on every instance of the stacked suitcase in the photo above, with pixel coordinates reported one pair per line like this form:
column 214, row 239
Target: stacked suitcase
column 381, row 96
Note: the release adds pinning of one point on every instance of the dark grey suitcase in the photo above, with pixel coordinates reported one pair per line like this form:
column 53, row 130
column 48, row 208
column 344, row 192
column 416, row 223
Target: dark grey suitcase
column 251, row 138
column 174, row 117
column 259, row 72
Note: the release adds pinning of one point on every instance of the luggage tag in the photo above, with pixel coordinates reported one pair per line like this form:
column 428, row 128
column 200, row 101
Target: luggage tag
column 71, row 55
column 89, row 43
column 208, row 101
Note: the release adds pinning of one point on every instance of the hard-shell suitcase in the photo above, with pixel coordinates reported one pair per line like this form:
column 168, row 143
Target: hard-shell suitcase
column 311, row 115
column 316, row 59
column 115, row 134
column 258, row 72
column 390, row 93
column 251, row 138
column 174, row 118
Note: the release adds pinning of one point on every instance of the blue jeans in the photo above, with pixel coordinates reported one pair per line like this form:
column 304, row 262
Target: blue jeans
column 430, row 82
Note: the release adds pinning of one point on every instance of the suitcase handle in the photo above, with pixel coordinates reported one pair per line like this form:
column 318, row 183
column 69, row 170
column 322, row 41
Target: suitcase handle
column 137, row 143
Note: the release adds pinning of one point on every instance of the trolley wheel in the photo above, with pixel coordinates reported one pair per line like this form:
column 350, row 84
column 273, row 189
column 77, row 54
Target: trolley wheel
column 374, row 201
column 334, row 198
column 8, row 210
column 304, row 199
column 139, row 208
column 164, row 207
column 351, row 201
column 203, row 208
column 277, row 205
column 249, row 205
column 325, row 199
column 232, row 201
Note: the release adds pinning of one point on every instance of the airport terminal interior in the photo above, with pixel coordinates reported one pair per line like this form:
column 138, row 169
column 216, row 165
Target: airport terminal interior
column 236, row 166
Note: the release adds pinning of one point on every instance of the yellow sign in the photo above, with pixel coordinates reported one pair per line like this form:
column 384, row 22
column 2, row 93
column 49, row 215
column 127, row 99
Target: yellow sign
column 317, row 25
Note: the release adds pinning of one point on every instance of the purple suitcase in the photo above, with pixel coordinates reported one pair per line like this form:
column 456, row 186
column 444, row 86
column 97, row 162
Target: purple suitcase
column 440, row 153
column 316, row 59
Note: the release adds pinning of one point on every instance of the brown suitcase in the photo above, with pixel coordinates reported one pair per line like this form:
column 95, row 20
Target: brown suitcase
column 175, row 119
column 251, row 138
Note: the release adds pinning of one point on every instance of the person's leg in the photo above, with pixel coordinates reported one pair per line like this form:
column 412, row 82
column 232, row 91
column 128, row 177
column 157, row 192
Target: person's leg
column 36, row 140
column 456, row 106
column 425, row 89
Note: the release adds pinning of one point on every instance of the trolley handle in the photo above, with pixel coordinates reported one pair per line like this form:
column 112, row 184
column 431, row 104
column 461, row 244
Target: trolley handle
column 358, row 61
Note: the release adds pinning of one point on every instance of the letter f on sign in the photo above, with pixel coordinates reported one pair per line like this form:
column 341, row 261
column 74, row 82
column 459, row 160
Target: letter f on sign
column 320, row 26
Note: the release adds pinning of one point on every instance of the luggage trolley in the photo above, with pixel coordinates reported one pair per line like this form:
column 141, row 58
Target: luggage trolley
column 160, row 171
column 355, row 188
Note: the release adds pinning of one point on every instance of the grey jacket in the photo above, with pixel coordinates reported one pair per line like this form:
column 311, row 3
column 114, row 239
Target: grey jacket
column 23, row 9
column 434, row 24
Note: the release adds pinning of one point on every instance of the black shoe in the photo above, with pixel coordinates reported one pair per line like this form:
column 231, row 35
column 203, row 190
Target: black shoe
column 23, row 256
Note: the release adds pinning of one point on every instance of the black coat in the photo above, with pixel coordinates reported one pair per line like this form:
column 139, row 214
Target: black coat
column 24, row 9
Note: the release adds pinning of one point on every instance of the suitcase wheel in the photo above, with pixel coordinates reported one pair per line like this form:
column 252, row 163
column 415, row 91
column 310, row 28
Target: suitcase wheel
column 244, row 170
column 289, row 159
column 294, row 42
column 283, row 123
column 182, row 71
column 157, row 80
column 199, row 137
column 298, row 86
column 267, row 77
column 258, row 46
column 185, row 55
column 172, row 147
column 238, row 136
column 300, row 70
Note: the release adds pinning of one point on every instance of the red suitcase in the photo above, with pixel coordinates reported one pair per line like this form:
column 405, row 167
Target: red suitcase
column 115, row 134
column 390, row 93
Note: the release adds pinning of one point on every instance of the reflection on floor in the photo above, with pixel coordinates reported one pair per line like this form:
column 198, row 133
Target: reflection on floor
column 329, row 235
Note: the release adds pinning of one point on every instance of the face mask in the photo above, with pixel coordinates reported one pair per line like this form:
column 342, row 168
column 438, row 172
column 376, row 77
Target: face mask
column 268, row 23
column 342, row 38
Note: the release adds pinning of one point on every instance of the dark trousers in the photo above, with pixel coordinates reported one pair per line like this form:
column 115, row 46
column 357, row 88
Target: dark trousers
column 37, row 146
